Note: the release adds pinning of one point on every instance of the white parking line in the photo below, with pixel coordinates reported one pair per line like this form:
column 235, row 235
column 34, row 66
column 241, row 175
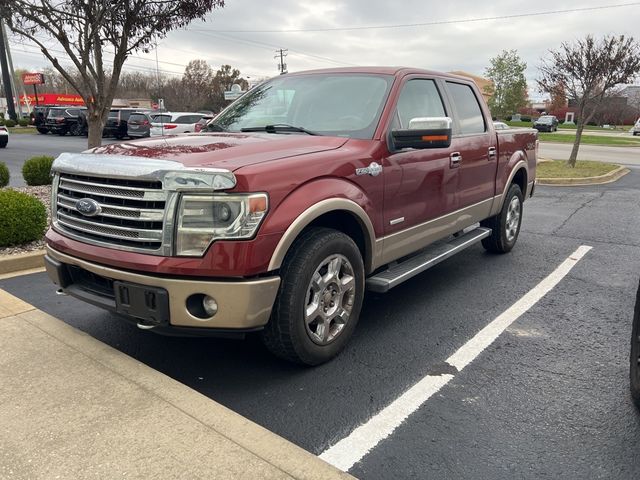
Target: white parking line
column 350, row 450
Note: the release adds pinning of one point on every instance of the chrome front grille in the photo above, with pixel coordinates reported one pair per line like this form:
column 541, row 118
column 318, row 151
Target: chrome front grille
column 131, row 211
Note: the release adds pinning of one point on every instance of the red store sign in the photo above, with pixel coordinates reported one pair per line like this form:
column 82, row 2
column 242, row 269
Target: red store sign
column 53, row 99
column 33, row 78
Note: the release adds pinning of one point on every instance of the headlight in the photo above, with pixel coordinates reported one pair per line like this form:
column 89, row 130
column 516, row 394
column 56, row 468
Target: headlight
column 205, row 218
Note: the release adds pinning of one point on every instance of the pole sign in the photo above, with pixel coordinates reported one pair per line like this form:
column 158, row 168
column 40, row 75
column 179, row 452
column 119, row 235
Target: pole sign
column 33, row 78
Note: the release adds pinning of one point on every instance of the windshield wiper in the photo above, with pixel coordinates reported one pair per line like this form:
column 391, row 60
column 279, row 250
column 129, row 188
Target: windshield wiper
column 278, row 127
column 215, row 127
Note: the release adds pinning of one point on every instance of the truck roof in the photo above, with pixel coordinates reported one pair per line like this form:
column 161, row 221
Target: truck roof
column 396, row 71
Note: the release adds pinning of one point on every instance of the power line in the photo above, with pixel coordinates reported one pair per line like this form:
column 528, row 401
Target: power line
column 436, row 22
column 282, row 67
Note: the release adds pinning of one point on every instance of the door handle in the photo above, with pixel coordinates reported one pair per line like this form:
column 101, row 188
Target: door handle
column 492, row 153
column 454, row 159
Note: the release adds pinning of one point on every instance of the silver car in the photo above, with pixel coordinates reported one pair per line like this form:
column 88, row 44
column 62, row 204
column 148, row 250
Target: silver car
column 635, row 130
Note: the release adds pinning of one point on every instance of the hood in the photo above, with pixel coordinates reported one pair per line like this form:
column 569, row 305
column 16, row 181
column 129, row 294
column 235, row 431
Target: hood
column 230, row 151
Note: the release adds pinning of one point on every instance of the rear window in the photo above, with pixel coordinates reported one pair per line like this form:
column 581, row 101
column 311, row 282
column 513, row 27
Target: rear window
column 114, row 113
column 137, row 117
column 162, row 119
column 466, row 104
column 188, row 119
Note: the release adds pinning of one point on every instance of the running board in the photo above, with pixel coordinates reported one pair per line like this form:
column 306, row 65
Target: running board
column 431, row 256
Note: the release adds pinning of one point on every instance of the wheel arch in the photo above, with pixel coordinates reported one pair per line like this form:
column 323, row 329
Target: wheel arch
column 519, row 174
column 339, row 214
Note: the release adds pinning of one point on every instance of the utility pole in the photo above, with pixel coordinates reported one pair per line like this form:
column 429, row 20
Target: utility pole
column 282, row 53
column 6, row 76
column 12, row 71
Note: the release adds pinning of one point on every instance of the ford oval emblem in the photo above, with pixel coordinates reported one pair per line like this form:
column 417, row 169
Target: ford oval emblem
column 88, row 207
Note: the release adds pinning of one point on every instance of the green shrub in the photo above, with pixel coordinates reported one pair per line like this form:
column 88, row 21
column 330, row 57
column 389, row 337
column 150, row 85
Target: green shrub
column 1, row 119
column 23, row 122
column 10, row 123
column 4, row 175
column 525, row 119
column 37, row 170
column 23, row 218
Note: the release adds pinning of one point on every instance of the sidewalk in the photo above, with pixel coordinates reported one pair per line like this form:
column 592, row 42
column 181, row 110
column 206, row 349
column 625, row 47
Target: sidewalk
column 72, row 407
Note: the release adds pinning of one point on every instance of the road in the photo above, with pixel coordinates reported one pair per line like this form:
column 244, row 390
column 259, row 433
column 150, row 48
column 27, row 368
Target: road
column 548, row 399
column 620, row 155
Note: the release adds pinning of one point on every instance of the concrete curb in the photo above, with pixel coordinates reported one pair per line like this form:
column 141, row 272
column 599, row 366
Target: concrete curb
column 21, row 261
column 610, row 177
column 268, row 455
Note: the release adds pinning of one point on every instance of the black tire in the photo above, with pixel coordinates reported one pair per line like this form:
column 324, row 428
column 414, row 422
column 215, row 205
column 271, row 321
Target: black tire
column 634, row 360
column 504, row 231
column 75, row 130
column 3, row 144
column 42, row 130
column 62, row 132
column 290, row 334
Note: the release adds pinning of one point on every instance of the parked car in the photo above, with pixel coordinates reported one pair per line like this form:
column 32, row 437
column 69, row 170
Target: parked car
column 116, row 125
column 500, row 126
column 635, row 130
column 63, row 120
column 202, row 123
column 40, row 113
column 634, row 368
column 316, row 186
column 139, row 125
column 172, row 123
column 4, row 136
column 546, row 123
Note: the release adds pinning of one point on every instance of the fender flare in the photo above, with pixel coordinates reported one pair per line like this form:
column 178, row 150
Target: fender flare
column 315, row 211
column 520, row 163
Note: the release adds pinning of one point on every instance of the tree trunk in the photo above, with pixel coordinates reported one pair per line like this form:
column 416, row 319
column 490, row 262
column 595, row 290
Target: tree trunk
column 95, row 131
column 576, row 145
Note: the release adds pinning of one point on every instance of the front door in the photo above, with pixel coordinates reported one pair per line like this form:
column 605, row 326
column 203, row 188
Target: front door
column 419, row 184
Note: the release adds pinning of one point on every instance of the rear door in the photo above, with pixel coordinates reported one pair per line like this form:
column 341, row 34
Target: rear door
column 474, row 143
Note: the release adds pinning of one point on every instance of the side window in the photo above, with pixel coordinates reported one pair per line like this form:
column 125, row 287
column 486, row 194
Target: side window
column 187, row 119
column 466, row 104
column 419, row 98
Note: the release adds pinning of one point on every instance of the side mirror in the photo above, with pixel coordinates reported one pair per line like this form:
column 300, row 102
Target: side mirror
column 424, row 132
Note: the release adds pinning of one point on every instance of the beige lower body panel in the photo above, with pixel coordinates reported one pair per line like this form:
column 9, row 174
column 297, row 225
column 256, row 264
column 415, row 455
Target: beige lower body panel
column 241, row 304
column 412, row 239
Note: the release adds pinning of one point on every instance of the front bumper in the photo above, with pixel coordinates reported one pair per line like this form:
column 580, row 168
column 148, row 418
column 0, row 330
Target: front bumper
column 161, row 302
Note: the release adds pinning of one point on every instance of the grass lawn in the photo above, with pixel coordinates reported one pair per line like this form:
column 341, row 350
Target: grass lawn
column 22, row 130
column 583, row 168
column 590, row 139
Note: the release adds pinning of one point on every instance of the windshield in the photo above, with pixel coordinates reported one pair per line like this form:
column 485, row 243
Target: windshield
column 346, row 105
column 545, row 120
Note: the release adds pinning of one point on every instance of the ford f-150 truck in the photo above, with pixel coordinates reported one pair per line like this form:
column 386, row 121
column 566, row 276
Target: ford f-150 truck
column 304, row 192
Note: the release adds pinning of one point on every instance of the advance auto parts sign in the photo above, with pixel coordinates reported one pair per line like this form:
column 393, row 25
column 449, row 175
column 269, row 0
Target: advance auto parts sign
column 33, row 78
column 53, row 99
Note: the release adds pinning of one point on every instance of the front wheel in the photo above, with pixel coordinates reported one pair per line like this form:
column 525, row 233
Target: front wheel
column 320, row 297
column 505, row 226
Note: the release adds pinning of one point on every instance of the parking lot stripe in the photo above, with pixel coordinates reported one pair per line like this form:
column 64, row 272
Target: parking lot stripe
column 350, row 450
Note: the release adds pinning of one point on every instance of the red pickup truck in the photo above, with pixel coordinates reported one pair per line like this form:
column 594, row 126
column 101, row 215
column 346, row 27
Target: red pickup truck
column 304, row 192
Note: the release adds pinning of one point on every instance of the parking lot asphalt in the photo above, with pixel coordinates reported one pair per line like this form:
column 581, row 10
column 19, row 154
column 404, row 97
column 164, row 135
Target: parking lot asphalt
column 548, row 399
column 23, row 146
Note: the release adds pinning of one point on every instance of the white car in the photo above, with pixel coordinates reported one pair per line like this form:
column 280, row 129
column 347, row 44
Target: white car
column 635, row 130
column 172, row 123
column 500, row 126
column 4, row 136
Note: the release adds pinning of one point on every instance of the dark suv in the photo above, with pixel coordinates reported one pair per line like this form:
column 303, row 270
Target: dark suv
column 139, row 125
column 546, row 123
column 63, row 120
column 116, row 125
column 40, row 117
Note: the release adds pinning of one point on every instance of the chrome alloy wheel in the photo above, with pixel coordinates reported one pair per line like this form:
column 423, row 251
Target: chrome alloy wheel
column 330, row 297
column 513, row 219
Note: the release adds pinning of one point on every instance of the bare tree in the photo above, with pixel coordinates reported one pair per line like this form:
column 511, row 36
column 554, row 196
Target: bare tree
column 196, row 82
column 86, row 29
column 588, row 70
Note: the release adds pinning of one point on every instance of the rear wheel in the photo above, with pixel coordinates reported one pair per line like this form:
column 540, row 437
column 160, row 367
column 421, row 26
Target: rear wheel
column 43, row 130
column 505, row 226
column 320, row 297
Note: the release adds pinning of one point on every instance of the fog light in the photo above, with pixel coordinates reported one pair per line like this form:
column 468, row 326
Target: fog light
column 202, row 306
column 210, row 305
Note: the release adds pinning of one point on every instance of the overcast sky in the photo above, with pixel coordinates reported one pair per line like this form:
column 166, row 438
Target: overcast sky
column 454, row 35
